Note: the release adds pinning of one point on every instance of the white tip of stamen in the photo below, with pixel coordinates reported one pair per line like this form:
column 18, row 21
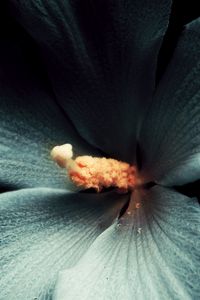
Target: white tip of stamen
column 62, row 154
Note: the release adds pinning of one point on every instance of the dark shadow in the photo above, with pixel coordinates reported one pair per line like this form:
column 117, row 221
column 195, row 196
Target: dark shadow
column 182, row 13
column 6, row 188
column 124, row 208
column 191, row 189
column 138, row 156
column 93, row 191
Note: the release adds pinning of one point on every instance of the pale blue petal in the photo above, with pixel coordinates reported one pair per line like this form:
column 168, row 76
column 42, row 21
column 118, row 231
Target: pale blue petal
column 31, row 123
column 101, row 58
column 152, row 253
column 45, row 230
column 170, row 137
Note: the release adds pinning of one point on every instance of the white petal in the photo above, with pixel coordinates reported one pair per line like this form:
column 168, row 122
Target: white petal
column 101, row 59
column 153, row 253
column 31, row 123
column 44, row 231
column 170, row 137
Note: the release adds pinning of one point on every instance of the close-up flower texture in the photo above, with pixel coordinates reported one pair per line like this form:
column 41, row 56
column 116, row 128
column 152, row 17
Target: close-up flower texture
column 99, row 150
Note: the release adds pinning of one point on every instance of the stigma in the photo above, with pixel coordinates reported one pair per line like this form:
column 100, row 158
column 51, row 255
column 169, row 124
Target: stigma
column 95, row 172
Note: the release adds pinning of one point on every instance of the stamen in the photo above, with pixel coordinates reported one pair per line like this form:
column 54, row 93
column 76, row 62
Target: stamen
column 95, row 172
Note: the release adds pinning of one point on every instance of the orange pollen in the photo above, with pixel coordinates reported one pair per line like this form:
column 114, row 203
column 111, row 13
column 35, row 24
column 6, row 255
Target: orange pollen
column 95, row 172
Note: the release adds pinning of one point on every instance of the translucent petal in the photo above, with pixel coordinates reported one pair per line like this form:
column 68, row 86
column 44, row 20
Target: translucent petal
column 45, row 230
column 170, row 137
column 152, row 253
column 101, row 58
column 31, row 123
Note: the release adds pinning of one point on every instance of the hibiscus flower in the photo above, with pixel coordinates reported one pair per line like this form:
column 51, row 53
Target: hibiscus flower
column 84, row 73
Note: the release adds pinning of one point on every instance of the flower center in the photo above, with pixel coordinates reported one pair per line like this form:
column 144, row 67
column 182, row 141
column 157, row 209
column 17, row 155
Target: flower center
column 95, row 172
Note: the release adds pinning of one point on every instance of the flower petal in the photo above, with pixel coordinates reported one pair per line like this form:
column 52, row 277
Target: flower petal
column 101, row 58
column 31, row 123
column 170, row 137
column 44, row 230
column 153, row 253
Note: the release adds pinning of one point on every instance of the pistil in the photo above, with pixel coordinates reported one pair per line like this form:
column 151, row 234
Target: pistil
column 95, row 172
